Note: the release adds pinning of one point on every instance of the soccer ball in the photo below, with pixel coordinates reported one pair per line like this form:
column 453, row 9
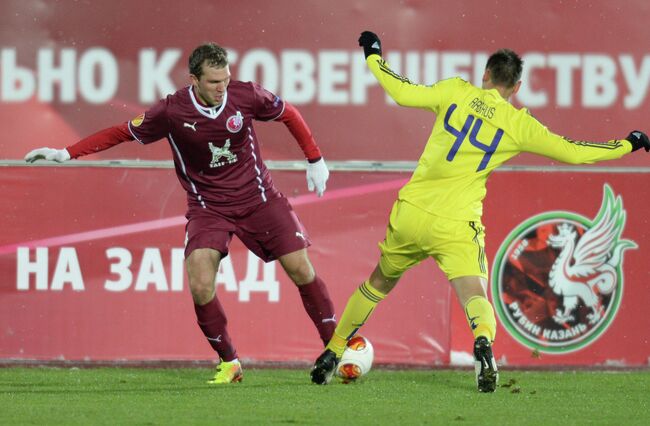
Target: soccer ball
column 356, row 360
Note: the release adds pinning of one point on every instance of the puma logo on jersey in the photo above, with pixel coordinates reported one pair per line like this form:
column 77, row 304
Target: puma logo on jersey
column 300, row 235
column 219, row 153
column 191, row 126
column 215, row 339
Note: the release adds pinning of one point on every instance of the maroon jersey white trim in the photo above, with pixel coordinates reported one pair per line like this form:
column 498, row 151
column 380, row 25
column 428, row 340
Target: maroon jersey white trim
column 259, row 179
column 133, row 134
column 210, row 112
column 180, row 159
column 279, row 114
column 216, row 152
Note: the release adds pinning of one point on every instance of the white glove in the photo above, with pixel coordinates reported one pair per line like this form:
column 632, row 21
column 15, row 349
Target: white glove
column 58, row 155
column 317, row 175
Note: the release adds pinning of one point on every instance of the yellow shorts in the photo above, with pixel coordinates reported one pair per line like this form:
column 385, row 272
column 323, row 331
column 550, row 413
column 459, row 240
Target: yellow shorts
column 458, row 247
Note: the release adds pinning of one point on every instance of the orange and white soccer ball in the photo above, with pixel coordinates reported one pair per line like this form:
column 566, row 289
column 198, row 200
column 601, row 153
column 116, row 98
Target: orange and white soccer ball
column 356, row 360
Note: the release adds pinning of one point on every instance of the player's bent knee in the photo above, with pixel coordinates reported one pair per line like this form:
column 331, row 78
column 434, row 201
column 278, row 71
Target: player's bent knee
column 299, row 269
column 384, row 271
column 203, row 295
column 382, row 282
column 202, row 290
column 302, row 277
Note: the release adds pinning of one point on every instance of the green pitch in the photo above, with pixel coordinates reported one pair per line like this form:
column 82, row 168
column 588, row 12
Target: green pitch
column 45, row 396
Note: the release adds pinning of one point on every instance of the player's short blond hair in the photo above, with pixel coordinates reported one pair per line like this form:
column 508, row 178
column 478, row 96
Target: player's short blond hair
column 211, row 54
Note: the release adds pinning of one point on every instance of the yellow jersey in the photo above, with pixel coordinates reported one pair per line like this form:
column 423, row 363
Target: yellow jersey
column 476, row 130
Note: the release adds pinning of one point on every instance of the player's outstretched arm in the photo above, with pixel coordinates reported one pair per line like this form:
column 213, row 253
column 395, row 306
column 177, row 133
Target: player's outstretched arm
column 317, row 172
column 403, row 91
column 51, row 154
column 97, row 142
column 536, row 138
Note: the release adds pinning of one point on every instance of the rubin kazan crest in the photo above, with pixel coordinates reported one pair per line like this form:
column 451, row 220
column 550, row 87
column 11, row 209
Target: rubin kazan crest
column 557, row 280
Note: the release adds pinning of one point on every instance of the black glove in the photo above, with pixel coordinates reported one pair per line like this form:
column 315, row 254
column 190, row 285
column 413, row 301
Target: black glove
column 639, row 140
column 370, row 43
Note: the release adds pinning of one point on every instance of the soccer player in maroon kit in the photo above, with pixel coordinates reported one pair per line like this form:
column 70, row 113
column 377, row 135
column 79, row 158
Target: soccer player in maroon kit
column 209, row 126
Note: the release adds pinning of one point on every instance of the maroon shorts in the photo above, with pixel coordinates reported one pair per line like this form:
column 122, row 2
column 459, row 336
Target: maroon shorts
column 270, row 230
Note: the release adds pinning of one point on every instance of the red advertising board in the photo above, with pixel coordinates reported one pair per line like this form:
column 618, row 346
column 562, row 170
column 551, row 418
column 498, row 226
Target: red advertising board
column 92, row 269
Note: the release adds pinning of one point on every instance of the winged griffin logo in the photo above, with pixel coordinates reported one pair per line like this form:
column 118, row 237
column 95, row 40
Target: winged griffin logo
column 586, row 267
column 221, row 152
column 558, row 277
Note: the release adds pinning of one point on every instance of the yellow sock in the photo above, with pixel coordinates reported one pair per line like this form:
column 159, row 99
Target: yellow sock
column 360, row 305
column 480, row 317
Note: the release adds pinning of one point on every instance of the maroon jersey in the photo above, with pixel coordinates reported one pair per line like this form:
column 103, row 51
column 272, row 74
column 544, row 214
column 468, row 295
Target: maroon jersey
column 216, row 153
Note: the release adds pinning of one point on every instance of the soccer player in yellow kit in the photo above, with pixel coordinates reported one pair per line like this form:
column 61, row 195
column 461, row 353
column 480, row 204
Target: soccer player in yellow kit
column 438, row 212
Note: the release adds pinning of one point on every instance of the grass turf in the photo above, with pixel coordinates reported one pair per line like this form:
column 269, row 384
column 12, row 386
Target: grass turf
column 68, row 396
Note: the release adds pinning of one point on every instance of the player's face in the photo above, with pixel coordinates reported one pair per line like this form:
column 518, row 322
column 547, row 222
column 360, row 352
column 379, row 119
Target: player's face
column 211, row 86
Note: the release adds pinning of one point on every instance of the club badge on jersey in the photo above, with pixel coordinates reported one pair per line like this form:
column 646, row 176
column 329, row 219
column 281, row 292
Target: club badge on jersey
column 235, row 122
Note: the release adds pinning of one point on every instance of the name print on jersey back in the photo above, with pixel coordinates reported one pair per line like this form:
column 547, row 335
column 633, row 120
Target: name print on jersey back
column 482, row 108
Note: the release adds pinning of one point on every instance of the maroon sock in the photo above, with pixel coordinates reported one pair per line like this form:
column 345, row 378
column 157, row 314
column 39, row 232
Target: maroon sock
column 212, row 320
column 319, row 307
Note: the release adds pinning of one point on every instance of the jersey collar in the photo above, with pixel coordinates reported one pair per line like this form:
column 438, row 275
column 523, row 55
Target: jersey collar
column 210, row 112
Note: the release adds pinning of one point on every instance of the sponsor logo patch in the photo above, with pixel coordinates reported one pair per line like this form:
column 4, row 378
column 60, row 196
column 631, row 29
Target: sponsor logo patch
column 557, row 280
column 221, row 156
column 137, row 121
